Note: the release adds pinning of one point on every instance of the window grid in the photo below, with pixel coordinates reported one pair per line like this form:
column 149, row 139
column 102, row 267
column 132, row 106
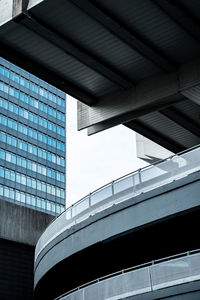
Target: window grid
column 19, row 111
column 15, row 195
column 30, row 165
column 27, row 147
column 32, row 86
column 32, row 182
column 29, row 98
column 28, row 131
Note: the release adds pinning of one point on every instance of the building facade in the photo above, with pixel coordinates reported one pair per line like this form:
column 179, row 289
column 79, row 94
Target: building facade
column 32, row 140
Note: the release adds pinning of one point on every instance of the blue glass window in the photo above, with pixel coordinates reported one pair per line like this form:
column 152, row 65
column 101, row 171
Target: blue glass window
column 16, row 94
column 22, row 81
column 16, row 78
column 26, row 83
column 44, row 187
column 40, row 136
column 17, row 196
column 18, row 178
column 26, row 99
column 12, row 194
column 33, row 200
column 12, row 176
column 22, row 198
column 29, row 165
column 15, row 109
column 11, row 92
column 36, row 89
column 21, row 112
column 29, row 181
column 21, row 96
column 2, row 154
column 13, row 141
column 39, row 185
column 58, row 210
column 6, row 192
column 6, row 73
column 19, row 144
column 24, row 146
column 30, row 116
column 23, row 163
column 8, row 156
column 28, row 199
column 1, row 70
column 5, row 104
column 1, row 172
column 62, row 177
column 33, row 183
column 3, row 120
column 34, row 150
column 3, row 137
column 13, row 159
column 5, row 88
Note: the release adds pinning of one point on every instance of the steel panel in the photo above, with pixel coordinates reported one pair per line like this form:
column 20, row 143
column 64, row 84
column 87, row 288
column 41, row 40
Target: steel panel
column 161, row 124
column 154, row 26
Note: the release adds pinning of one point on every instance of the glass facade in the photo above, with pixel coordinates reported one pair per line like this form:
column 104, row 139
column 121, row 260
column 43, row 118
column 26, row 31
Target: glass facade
column 32, row 140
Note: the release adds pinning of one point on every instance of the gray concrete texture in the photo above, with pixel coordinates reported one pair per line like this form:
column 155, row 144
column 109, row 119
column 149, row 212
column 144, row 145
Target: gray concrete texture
column 12, row 8
column 169, row 200
column 22, row 224
column 149, row 95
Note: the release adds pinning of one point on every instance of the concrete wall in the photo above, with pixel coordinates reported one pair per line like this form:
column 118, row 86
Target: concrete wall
column 22, row 224
column 16, row 271
column 162, row 203
column 20, row 228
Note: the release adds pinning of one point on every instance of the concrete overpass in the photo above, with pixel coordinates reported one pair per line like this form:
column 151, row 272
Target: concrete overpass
column 147, row 215
column 130, row 62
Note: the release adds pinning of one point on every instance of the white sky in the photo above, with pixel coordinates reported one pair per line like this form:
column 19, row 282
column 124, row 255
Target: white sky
column 93, row 161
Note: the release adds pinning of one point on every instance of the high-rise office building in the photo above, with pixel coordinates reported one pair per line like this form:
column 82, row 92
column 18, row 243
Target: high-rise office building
column 32, row 140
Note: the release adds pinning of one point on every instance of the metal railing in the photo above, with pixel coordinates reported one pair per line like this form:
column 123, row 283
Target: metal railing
column 124, row 188
column 155, row 275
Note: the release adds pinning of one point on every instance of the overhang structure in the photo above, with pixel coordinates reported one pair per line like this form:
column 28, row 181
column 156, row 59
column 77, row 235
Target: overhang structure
column 133, row 62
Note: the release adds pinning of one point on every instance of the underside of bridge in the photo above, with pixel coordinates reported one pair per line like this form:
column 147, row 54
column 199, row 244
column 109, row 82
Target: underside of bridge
column 129, row 62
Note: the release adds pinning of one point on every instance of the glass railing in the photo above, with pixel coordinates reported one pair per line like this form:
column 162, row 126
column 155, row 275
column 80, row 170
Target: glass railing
column 159, row 274
column 124, row 188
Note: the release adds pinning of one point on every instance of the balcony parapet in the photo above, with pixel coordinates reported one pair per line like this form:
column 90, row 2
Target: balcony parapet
column 159, row 274
column 122, row 189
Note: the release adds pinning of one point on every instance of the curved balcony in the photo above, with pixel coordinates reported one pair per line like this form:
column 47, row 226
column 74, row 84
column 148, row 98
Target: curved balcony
column 122, row 189
column 144, row 279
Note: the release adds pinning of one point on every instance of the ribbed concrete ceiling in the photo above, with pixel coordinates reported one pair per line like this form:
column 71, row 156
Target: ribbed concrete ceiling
column 93, row 48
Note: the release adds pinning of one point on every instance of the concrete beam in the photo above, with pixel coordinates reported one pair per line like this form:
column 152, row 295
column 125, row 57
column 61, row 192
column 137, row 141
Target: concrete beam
column 12, row 8
column 149, row 95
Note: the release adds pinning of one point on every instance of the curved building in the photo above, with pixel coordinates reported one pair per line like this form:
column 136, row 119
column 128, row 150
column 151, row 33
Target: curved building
column 145, row 216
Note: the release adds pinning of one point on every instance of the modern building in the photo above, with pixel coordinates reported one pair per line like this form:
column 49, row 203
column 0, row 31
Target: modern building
column 134, row 238
column 32, row 140
column 134, row 63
